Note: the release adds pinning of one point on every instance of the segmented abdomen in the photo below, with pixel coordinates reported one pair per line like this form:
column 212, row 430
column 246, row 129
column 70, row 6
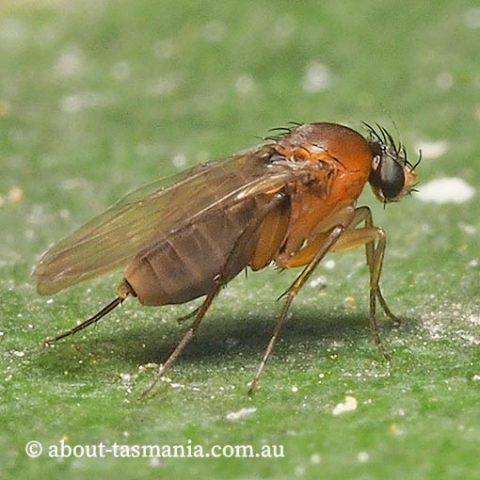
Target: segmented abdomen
column 183, row 265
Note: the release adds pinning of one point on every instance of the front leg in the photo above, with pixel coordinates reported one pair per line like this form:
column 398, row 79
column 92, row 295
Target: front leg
column 355, row 237
column 352, row 237
column 374, row 240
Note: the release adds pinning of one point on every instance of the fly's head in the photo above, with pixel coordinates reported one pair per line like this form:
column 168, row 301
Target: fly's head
column 392, row 175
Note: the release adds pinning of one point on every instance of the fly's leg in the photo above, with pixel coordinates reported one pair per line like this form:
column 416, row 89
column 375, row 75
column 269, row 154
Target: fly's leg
column 375, row 263
column 188, row 315
column 375, row 255
column 374, row 240
column 241, row 243
column 123, row 291
column 291, row 293
column 187, row 337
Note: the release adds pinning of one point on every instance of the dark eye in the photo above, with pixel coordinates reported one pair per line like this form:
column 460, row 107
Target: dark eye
column 387, row 176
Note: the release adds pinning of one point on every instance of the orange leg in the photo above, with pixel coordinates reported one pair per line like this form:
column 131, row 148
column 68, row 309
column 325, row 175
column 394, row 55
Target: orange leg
column 338, row 239
column 346, row 217
column 352, row 238
column 374, row 240
column 367, row 236
column 291, row 293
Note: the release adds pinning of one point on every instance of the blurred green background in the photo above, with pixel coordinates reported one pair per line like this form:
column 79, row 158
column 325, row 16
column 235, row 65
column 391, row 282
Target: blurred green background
column 101, row 96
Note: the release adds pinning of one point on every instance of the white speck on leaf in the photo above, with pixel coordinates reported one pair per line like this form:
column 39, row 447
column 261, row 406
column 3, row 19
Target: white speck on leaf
column 474, row 263
column 177, row 385
column 469, row 338
column 397, row 430
column 244, row 84
column 467, row 228
column 348, row 405
column 12, row 30
column 445, row 190
column 239, row 414
column 363, row 457
column 84, row 101
column 70, row 62
column 318, row 282
column 15, row 195
column 329, row 264
column 317, row 77
column 474, row 319
column 444, row 80
column 179, row 160
column 432, row 149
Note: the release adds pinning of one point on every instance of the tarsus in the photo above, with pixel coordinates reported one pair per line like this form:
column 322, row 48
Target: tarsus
column 94, row 319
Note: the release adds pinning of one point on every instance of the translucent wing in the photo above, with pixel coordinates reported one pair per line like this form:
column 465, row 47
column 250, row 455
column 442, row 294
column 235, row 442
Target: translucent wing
column 111, row 240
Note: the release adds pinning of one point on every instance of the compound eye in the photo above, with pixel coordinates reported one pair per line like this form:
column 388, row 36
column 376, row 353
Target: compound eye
column 387, row 177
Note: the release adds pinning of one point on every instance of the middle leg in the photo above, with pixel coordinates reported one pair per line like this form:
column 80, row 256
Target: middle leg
column 291, row 293
column 241, row 243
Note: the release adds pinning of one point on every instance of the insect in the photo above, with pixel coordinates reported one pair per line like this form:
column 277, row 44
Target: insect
column 287, row 201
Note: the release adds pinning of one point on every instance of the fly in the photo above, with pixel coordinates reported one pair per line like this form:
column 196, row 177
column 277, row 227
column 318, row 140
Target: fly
column 288, row 202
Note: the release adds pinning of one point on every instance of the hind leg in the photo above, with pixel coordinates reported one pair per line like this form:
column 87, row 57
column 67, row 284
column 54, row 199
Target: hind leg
column 241, row 243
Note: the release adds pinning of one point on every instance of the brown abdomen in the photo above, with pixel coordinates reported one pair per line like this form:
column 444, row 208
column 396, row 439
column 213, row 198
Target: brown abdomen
column 183, row 265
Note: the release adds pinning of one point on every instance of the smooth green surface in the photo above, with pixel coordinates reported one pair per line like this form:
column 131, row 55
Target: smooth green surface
column 99, row 97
